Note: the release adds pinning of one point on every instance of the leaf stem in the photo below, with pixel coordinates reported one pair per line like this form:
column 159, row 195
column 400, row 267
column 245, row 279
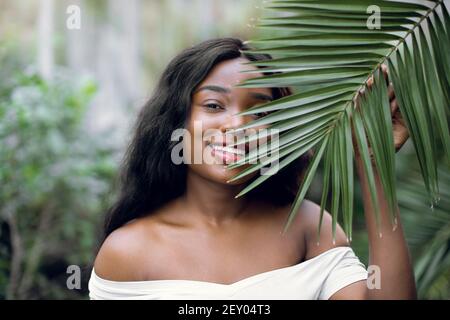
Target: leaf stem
column 401, row 41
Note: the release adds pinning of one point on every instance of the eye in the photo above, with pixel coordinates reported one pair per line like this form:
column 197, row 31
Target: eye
column 261, row 114
column 213, row 106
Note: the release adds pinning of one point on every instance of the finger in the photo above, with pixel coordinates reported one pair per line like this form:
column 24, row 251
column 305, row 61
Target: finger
column 362, row 91
column 394, row 106
column 385, row 71
column 391, row 92
column 369, row 82
column 397, row 118
column 356, row 102
column 401, row 135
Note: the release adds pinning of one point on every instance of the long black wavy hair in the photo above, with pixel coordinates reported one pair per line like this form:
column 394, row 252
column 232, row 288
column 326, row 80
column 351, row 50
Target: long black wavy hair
column 148, row 177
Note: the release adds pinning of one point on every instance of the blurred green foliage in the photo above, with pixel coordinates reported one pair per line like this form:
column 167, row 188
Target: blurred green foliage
column 428, row 232
column 55, row 181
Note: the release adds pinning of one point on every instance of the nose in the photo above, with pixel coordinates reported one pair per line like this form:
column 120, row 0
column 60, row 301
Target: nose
column 233, row 122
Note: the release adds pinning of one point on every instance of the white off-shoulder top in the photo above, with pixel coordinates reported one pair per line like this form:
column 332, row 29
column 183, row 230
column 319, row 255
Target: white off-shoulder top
column 317, row 278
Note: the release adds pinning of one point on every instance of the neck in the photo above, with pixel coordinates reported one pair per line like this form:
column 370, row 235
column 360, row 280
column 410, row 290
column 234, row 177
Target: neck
column 212, row 202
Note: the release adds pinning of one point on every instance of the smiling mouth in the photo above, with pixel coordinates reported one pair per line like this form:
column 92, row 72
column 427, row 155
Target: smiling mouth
column 222, row 148
column 225, row 153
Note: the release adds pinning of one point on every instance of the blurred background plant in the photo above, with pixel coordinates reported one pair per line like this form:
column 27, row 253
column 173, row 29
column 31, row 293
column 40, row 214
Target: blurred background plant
column 428, row 231
column 67, row 100
column 55, row 179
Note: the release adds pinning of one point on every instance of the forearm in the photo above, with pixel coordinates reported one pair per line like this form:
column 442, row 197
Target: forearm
column 390, row 251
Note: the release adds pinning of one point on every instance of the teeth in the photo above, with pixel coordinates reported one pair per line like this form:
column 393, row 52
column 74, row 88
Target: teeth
column 228, row 149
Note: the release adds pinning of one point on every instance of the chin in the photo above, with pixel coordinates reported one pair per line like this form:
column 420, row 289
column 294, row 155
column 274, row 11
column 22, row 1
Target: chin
column 220, row 174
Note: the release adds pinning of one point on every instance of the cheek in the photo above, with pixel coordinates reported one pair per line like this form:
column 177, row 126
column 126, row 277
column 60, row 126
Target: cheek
column 194, row 142
column 195, row 150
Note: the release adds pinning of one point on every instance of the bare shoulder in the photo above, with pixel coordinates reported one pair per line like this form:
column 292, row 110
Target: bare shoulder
column 126, row 250
column 129, row 253
column 306, row 225
column 307, row 222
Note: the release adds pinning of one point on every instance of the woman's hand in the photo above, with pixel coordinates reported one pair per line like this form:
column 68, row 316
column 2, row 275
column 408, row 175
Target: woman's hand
column 387, row 245
column 400, row 130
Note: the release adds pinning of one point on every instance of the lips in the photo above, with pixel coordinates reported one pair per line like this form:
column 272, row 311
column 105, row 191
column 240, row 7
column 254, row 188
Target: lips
column 226, row 149
column 228, row 154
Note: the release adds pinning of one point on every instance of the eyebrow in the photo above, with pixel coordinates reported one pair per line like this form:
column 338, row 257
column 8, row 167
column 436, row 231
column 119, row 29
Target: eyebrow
column 261, row 96
column 214, row 88
column 255, row 95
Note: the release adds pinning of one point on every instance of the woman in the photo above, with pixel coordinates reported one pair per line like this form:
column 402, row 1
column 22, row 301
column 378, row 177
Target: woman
column 177, row 231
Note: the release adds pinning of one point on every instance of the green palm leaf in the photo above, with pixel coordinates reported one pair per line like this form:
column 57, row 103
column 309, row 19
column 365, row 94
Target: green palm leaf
column 326, row 51
column 428, row 235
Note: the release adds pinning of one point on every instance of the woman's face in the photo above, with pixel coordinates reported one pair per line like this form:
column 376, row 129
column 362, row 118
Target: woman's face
column 215, row 104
